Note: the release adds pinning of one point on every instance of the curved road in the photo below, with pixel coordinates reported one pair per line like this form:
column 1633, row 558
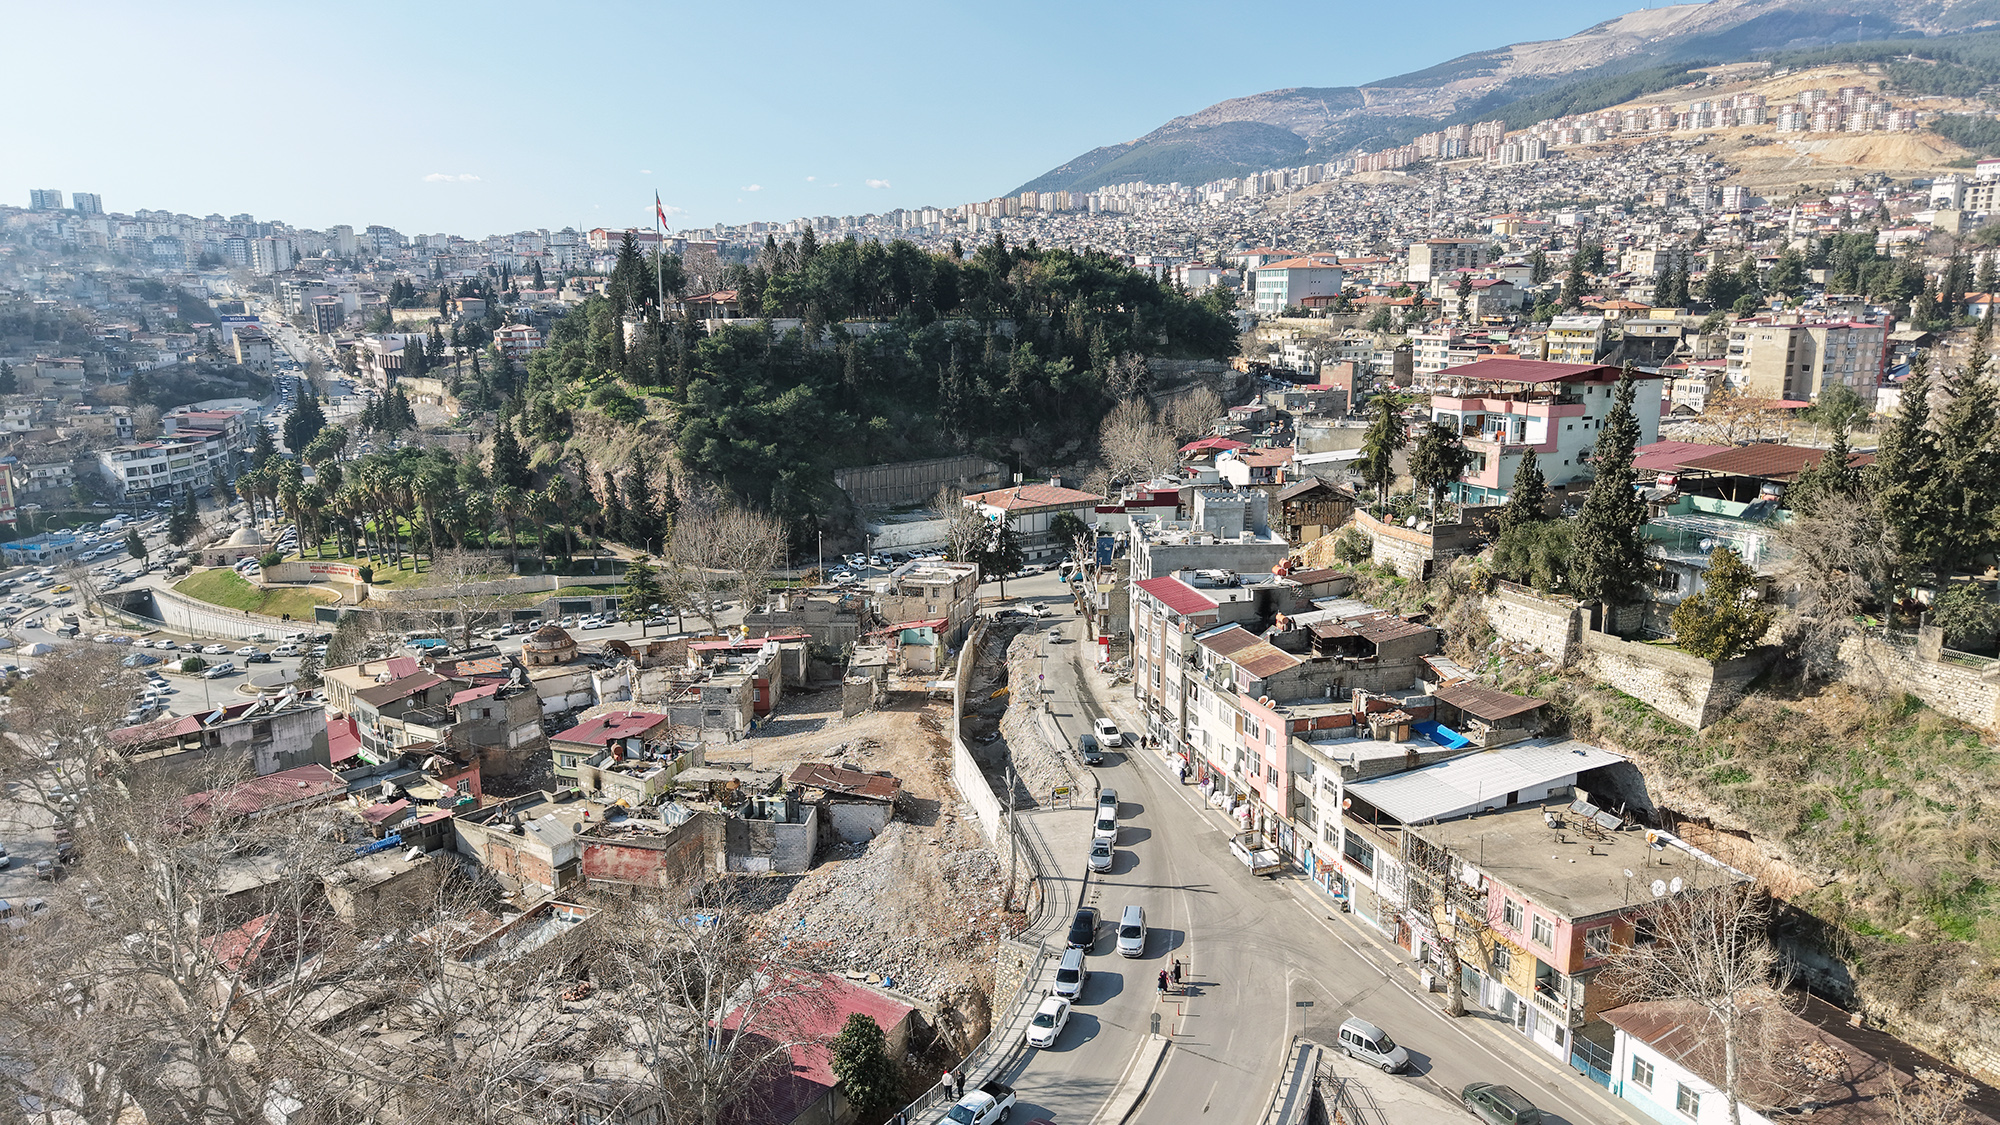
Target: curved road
column 1255, row 950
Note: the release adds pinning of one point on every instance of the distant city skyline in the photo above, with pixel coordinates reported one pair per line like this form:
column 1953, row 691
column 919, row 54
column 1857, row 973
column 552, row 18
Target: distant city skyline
column 479, row 119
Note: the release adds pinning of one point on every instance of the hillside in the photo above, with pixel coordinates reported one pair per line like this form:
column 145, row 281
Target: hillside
column 1293, row 126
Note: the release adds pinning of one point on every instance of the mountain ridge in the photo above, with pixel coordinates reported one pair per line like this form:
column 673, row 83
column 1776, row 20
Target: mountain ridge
column 1242, row 134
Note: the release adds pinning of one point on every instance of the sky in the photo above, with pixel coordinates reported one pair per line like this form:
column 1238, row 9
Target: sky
column 476, row 119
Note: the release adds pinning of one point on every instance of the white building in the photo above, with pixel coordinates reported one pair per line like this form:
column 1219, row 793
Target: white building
column 1283, row 285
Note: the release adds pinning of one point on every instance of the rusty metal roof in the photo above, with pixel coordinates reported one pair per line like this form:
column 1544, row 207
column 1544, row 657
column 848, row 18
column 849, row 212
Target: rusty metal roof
column 1482, row 702
column 1770, row 460
column 847, row 782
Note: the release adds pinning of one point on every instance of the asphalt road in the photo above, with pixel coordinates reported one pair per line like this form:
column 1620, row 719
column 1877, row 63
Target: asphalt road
column 1255, row 949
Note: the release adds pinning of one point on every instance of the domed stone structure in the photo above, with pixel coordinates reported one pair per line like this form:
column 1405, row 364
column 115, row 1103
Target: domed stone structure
column 246, row 536
column 548, row 645
column 246, row 543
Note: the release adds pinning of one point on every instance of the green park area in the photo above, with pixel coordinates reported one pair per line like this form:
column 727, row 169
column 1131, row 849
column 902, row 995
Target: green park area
column 227, row 588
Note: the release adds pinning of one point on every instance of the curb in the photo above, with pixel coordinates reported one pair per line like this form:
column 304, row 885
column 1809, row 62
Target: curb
column 1130, row 1093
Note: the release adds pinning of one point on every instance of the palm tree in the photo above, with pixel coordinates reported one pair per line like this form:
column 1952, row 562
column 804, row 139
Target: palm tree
column 246, row 489
column 431, row 488
column 509, row 503
column 313, row 503
column 352, row 503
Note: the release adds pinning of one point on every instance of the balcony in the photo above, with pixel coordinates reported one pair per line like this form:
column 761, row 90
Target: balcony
column 1552, row 1004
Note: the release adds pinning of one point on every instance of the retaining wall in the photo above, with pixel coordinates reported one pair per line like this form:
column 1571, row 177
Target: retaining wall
column 1410, row 552
column 911, row 482
column 1519, row 615
column 526, row 584
column 965, row 773
column 1687, row 689
column 200, row 619
column 1966, row 692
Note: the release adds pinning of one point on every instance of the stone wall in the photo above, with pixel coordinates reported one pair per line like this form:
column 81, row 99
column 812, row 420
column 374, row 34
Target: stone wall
column 1412, row 553
column 525, row 584
column 1520, row 615
column 1966, row 691
column 1687, row 689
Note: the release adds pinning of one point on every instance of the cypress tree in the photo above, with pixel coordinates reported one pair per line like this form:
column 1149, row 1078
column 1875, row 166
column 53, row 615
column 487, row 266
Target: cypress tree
column 1832, row 477
column 1609, row 555
column 1967, row 484
column 510, row 465
column 1528, row 499
column 1386, row 434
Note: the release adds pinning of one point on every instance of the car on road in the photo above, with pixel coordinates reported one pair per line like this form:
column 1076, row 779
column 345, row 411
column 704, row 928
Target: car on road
column 1088, row 749
column 287, row 650
column 1100, row 855
column 1132, row 932
column 248, row 650
column 1107, row 826
column 1049, row 1021
column 215, row 650
column 1499, row 1105
column 165, row 643
column 1363, row 1041
column 1083, row 928
column 1107, row 802
column 1071, row 975
column 219, row 671
column 1107, row 733
column 257, row 658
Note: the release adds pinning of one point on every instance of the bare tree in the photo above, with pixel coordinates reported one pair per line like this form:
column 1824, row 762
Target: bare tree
column 1841, row 559
column 55, row 734
column 1191, row 414
column 1133, row 444
column 1128, row 375
column 455, row 597
column 1709, row 949
column 1933, row 1098
column 719, row 549
column 714, row 1011
column 965, row 530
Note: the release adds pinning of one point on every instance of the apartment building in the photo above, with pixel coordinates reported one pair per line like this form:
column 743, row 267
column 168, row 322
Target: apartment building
column 1228, row 530
column 1287, row 284
column 1438, row 256
column 254, row 348
column 1031, row 507
column 1767, row 360
column 1503, row 407
column 155, row 470
column 518, row 342
column 1575, row 339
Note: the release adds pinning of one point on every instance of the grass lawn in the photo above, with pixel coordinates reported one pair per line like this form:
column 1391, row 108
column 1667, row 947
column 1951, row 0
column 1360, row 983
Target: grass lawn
column 227, row 588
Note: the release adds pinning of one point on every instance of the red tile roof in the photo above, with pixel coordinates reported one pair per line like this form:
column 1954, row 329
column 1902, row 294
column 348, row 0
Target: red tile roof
column 1213, row 443
column 1025, row 496
column 1267, row 458
column 298, row 786
column 1177, row 595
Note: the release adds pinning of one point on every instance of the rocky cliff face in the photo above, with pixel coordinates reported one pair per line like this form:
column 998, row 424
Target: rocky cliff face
column 1281, row 128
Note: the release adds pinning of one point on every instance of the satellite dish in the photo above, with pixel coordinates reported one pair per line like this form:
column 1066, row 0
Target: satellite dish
column 1628, row 873
column 1676, row 884
column 1410, row 522
column 1659, row 888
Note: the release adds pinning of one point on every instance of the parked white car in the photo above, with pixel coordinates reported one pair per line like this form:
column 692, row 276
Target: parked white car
column 1049, row 1021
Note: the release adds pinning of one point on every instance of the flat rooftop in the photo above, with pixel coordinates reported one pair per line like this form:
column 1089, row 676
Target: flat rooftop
column 1566, row 869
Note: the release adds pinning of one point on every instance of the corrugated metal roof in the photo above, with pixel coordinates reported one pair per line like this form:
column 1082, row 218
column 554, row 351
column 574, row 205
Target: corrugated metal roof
column 1515, row 370
column 1227, row 641
column 840, row 779
column 1778, row 462
column 1462, row 785
column 1482, row 702
column 1177, row 595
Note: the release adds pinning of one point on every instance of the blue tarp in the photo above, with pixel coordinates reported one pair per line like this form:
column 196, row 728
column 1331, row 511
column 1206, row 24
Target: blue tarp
column 1442, row 735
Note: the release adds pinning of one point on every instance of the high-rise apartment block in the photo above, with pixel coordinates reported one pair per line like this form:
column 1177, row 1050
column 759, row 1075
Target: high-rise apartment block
column 44, row 199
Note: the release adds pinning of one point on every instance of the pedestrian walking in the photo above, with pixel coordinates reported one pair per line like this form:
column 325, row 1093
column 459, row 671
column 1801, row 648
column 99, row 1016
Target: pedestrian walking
column 958, row 1083
column 946, row 1083
column 1177, row 970
column 1163, row 982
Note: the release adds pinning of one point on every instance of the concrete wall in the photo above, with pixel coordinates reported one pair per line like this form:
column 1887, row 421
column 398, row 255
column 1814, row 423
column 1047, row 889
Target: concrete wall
column 1518, row 614
column 1410, row 552
column 200, row 619
column 1687, row 689
column 911, row 482
column 768, row 846
column 857, row 821
column 526, row 584
column 1966, row 692
column 965, row 774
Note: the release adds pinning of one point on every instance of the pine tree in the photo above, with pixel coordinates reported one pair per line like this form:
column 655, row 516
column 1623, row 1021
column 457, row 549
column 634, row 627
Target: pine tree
column 1905, row 468
column 639, row 521
column 1528, row 499
column 539, row 285
column 1437, row 461
column 1572, row 297
column 510, row 465
column 1609, row 555
column 1988, row 277
column 612, row 515
column 1538, row 266
column 1968, row 443
column 1386, row 435
column 8, row 383
column 1833, row 477
column 642, row 591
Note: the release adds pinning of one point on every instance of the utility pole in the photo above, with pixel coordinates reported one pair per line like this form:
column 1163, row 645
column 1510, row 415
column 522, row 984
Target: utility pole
column 1013, row 845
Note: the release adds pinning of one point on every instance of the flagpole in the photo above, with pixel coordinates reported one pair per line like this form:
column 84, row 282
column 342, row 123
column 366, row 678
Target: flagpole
column 659, row 257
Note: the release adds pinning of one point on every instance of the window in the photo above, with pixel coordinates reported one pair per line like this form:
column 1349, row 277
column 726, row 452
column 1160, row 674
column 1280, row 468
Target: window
column 1686, row 1100
column 1597, row 941
column 1360, row 851
column 1510, row 913
column 1544, row 933
column 1503, row 961
column 1642, row 1073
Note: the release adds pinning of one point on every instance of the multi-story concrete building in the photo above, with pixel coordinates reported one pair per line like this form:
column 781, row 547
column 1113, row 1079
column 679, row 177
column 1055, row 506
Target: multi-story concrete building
column 518, row 342
column 254, row 349
column 1575, row 339
column 1229, row 530
column 1797, row 362
column 87, row 203
column 1286, row 284
column 45, row 199
column 1504, row 407
column 1436, row 256
column 154, row 470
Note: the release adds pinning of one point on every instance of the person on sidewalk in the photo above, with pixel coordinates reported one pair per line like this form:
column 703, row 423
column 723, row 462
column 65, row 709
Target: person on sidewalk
column 958, row 1083
column 1163, row 982
column 946, row 1083
column 1177, row 970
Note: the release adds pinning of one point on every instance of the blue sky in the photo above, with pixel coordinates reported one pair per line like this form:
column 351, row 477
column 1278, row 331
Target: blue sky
column 482, row 118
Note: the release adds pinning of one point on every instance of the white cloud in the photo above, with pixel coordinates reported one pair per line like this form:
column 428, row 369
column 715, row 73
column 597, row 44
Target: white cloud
column 878, row 183
column 645, row 171
column 752, row 187
column 672, row 210
column 810, row 179
column 448, row 178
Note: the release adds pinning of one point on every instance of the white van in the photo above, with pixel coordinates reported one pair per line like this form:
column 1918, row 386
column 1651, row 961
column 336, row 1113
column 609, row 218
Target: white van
column 1370, row 1044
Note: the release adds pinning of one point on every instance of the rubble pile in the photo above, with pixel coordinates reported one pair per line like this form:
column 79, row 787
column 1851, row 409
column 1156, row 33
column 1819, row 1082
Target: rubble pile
column 918, row 914
column 1038, row 765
